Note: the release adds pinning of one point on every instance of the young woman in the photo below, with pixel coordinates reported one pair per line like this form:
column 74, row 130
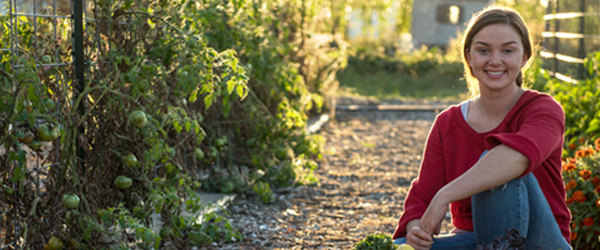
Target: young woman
column 495, row 160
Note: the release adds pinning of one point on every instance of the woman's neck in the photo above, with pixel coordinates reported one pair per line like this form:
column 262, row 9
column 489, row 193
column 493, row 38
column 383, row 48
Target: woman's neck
column 496, row 103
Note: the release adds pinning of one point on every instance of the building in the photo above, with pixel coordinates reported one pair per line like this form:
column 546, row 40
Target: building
column 436, row 22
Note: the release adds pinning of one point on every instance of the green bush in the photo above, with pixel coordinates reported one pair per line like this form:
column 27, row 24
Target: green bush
column 372, row 57
column 221, row 91
column 581, row 175
column 581, row 103
column 375, row 242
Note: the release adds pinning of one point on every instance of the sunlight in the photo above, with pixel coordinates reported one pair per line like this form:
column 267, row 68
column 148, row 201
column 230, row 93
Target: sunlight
column 453, row 16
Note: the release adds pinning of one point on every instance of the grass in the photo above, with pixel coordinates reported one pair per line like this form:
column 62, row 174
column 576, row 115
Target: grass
column 384, row 85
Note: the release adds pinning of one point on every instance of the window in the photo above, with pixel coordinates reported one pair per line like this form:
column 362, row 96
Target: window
column 449, row 14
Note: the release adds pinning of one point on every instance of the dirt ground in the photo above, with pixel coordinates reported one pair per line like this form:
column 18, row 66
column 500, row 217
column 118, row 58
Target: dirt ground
column 369, row 161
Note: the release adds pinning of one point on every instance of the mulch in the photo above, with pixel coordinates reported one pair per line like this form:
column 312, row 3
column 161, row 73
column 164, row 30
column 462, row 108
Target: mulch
column 369, row 161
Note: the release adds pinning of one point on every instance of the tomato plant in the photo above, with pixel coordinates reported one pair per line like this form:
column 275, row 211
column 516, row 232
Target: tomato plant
column 223, row 82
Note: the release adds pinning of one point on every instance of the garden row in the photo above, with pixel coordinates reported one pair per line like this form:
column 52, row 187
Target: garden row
column 178, row 96
column 581, row 167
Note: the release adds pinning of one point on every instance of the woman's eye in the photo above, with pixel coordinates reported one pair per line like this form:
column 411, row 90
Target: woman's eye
column 483, row 51
column 508, row 51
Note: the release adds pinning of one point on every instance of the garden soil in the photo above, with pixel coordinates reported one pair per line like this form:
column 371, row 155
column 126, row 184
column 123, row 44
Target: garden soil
column 369, row 161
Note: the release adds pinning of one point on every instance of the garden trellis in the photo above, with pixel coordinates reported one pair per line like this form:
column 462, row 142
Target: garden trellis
column 572, row 31
column 36, row 37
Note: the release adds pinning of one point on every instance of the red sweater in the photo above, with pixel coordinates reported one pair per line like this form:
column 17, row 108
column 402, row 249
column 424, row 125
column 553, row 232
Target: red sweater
column 534, row 127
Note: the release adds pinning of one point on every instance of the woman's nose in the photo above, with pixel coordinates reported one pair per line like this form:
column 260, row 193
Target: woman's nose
column 495, row 59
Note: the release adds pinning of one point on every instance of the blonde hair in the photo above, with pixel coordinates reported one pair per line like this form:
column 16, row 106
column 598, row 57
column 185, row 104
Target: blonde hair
column 488, row 16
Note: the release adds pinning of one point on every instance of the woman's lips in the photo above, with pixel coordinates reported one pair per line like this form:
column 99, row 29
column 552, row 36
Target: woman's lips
column 495, row 74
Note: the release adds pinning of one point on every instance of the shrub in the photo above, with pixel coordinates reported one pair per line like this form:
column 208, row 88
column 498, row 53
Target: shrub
column 166, row 108
column 581, row 103
column 582, row 179
column 375, row 242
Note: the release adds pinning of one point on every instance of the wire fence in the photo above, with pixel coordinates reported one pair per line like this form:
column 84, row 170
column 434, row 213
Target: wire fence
column 50, row 32
column 572, row 31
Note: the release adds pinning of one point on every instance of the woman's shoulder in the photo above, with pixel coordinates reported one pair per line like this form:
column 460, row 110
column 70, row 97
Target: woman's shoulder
column 450, row 114
column 534, row 102
column 539, row 99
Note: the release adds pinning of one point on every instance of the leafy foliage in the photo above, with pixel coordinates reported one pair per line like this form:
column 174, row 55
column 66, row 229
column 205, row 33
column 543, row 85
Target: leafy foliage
column 375, row 242
column 581, row 175
column 581, row 103
column 194, row 91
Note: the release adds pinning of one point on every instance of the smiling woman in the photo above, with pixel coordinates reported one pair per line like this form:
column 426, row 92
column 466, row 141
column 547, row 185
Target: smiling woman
column 504, row 136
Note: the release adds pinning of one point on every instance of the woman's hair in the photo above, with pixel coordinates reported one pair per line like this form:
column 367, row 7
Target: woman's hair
column 484, row 18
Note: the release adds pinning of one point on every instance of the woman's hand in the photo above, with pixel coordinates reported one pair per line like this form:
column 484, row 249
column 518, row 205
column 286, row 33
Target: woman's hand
column 436, row 211
column 419, row 239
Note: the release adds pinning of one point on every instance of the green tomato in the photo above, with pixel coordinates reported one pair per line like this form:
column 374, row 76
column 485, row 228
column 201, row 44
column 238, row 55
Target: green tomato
column 165, row 232
column 184, row 74
column 169, row 167
column 199, row 154
column 70, row 201
column 213, row 152
column 72, row 216
column 44, row 133
column 131, row 160
column 138, row 118
column 220, row 142
column 54, row 244
column 55, row 133
column 46, row 59
column 123, row 182
column 35, row 145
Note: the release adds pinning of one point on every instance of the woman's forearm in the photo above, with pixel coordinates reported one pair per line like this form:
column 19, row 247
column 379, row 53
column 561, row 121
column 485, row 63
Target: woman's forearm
column 411, row 224
column 500, row 165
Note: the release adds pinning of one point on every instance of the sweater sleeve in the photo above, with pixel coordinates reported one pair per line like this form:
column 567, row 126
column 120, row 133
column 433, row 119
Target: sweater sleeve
column 538, row 134
column 430, row 179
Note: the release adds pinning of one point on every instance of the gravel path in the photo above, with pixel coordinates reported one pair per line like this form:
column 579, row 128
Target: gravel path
column 368, row 164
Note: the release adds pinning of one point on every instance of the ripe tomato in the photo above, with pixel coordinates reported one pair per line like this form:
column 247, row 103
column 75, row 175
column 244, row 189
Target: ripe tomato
column 25, row 137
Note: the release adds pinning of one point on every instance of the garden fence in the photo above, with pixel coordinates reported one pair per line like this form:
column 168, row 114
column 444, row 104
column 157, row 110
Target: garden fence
column 37, row 22
column 572, row 31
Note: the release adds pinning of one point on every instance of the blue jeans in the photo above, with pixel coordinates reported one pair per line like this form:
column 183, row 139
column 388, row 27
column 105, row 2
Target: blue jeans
column 518, row 204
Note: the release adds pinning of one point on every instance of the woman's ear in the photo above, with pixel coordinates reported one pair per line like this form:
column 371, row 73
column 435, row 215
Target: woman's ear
column 468, row 56
column 525, row 59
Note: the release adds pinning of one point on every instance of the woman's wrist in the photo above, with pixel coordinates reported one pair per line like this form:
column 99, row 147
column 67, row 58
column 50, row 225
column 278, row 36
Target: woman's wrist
column 411, row 224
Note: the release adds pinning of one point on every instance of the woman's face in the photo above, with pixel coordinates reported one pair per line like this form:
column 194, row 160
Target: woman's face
column 496, row 57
